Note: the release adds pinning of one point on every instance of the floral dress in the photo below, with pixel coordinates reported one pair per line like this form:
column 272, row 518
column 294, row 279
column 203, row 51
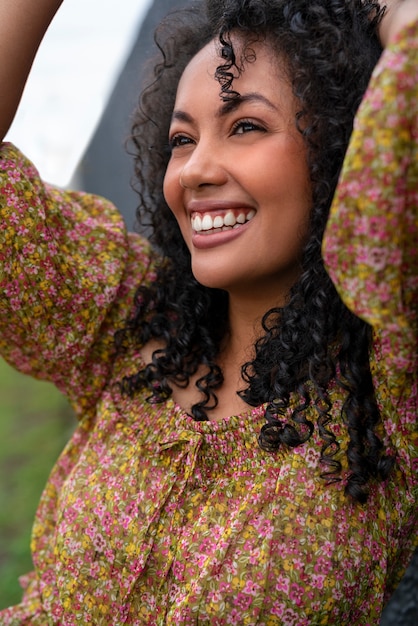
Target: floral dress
column 150, row 517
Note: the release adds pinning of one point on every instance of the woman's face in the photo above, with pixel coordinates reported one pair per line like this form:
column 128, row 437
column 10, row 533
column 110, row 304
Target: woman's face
column 237, row 180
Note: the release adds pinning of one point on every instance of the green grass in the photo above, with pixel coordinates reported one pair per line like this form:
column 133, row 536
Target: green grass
column 35, row 423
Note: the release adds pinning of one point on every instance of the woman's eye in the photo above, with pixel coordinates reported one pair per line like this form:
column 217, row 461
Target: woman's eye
column 246, row 126
column 179, row 140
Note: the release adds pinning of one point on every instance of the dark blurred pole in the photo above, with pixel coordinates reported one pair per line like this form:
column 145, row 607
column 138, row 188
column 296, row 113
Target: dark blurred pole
column 106, row 169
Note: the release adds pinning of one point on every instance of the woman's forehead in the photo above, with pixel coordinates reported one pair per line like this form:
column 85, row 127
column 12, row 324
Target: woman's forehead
column 200, row 94
column 255, row 60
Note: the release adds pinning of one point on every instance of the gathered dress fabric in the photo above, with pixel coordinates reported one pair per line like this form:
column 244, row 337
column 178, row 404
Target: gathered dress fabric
column 150, row 517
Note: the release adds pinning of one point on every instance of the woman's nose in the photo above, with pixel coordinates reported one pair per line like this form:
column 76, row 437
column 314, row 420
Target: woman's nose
column 205, row 166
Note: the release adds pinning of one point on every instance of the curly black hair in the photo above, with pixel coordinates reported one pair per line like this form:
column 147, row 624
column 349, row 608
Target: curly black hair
column 313, row 342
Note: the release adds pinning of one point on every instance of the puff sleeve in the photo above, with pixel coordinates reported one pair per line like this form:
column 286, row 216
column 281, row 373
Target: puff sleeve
column 63, row 258
column 370, row 245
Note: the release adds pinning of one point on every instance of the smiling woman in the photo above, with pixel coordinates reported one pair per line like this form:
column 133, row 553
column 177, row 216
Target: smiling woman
column 245, row 382
column 242, row 162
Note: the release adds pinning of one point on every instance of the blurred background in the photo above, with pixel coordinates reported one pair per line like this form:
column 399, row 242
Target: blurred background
column 82, row 90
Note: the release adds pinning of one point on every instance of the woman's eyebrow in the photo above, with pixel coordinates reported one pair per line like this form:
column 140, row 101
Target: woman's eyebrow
column 227, row 107
column 181, row 116
column 235, row 102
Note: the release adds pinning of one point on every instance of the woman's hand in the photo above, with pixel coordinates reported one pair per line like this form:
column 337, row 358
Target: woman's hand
column 22, row 26
column 398, row 14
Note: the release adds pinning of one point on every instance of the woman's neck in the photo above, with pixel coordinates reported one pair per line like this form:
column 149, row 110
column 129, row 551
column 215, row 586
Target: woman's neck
column 245, row 317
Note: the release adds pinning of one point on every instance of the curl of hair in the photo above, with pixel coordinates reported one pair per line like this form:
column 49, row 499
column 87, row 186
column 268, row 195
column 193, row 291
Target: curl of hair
column 329, row 49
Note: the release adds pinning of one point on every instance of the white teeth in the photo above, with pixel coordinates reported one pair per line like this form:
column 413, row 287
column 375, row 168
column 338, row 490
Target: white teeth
column 197, row 223
column 226, row 222
column 207, row 223
column 229, row 219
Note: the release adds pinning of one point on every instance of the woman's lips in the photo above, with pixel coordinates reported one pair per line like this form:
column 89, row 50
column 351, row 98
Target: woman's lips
column 213, row 237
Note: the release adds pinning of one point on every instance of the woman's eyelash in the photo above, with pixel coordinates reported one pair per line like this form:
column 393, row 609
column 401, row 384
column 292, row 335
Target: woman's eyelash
column 246, row 126
column 179, row 140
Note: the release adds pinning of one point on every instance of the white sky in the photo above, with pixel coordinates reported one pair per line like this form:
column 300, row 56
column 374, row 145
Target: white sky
column 71, row 80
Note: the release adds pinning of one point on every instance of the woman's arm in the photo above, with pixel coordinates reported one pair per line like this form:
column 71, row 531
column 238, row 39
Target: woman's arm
column 370, row 240
column 22, row 26
column 398, row 14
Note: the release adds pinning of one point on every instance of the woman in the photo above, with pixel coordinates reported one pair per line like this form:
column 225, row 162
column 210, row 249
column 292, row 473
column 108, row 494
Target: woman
column 245, row 446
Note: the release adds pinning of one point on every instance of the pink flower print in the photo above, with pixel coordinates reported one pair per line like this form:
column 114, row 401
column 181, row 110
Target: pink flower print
column 215, row 596
column 99, row 542
column 377, row 258
column 94, row 569
column 124, row 613
column 206, row 546
column 29, row 248
column 174, row 592
column 264, row 527
column 100, row 300
column 242, row 600
column 278, row 609
column 353, row 188
column 15, row 304
column 202, row 560
column 247, row 547
column 70, row 514
column 296, row 593
column 310, row 485
column 283, row 584
column 385, row 293
column 91, row 531
column 290, row 618
column 107, row 522
column 132, row 508
column 298, row 564
column 318, row 581
column 374, row 193
column 312, row 458
column 178, row 570
column 369, row 145
column 376, row 550
column 22, row 231
column 251, row 588
column 322, row 565
column 109, row 554
column 14, row 175
column 11, row 201
column 234, row 617
column 48, row 577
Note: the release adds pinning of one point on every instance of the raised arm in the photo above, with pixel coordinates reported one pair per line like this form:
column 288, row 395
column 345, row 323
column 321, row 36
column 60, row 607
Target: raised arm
column 22, row 26
column 398, row 14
